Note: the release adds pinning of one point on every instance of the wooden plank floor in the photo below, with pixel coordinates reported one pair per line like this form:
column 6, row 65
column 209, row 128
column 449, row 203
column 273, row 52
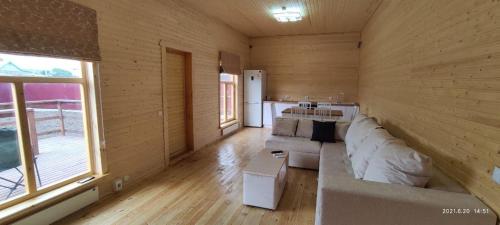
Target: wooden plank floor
column 206, row 188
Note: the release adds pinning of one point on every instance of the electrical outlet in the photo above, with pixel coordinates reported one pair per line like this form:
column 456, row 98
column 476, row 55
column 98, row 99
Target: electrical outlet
column 496, row 175
column 118, row 184
column 126, row 178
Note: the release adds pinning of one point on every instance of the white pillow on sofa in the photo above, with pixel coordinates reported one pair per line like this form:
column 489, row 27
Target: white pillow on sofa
column 349, row 137
column 376, row 139
column 341, row 130
column 284, row 126
column 397, row 163
column 359, row 129
column 304, row 128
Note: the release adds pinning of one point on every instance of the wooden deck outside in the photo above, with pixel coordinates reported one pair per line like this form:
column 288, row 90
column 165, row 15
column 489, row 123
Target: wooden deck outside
column 59, row 157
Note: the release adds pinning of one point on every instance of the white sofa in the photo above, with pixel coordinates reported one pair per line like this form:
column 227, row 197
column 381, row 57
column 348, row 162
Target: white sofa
column 344, row 200
column 303, row 152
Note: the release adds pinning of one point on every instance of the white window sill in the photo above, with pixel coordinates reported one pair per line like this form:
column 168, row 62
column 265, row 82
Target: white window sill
column 227, row 124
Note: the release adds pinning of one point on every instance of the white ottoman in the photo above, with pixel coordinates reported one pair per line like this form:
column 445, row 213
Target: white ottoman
column 264, row 180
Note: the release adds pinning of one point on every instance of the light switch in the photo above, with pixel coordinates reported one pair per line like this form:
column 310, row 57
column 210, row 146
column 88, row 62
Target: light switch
column 496, row 175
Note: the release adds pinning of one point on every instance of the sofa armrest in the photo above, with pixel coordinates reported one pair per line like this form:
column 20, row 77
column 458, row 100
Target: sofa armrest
column 343, row 200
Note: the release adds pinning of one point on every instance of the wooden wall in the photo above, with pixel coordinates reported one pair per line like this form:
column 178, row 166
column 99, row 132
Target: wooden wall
column 129, row 36
column 318, row 66
column 430, row 72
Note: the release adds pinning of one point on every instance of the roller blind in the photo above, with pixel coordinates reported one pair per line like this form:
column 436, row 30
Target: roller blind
column 56, row 28
column 230, row 63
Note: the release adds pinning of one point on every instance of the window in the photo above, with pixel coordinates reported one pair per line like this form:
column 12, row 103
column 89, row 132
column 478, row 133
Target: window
column 227, row 101
column 44, row 125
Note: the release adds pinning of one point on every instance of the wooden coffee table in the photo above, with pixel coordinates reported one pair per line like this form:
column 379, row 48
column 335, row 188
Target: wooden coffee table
column 264, row 180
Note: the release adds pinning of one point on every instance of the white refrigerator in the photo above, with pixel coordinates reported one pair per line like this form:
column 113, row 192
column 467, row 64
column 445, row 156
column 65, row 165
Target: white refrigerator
column 253, row 97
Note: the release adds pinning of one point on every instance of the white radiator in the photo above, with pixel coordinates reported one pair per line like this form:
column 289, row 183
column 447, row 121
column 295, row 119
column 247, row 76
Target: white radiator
column 59, row 211
column 230, row 129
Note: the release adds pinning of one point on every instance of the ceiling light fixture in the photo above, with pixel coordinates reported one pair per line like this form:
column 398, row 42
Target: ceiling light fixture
column 285, row 15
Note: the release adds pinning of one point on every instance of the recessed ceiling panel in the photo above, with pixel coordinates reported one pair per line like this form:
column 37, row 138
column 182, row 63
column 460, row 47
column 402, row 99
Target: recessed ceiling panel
column 255, row 19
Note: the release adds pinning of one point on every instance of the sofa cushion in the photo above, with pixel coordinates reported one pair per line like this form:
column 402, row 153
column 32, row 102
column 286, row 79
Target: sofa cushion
column 354, row 128
column 304, row 128
column 357, row 132
column 334, row 161
column 323, row 131
column 293, row 144
column 341, row 130
column 284, row 126
column 397, row 163
column 376, row 140
column 439, row 181
column 359, row 117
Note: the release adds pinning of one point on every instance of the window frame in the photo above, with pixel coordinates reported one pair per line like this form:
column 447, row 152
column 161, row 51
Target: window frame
column 227, row 121
column 19, row 104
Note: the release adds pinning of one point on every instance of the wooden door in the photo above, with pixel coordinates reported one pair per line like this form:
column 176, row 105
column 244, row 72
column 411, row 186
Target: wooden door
column 176, row 102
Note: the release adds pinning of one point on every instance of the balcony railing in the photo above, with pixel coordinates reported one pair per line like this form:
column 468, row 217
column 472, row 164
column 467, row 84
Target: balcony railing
column 7, row 111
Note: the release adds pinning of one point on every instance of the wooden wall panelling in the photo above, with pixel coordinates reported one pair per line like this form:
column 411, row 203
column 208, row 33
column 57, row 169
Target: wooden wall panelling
column 130, row 71
column 429, row 73
column 315, row 65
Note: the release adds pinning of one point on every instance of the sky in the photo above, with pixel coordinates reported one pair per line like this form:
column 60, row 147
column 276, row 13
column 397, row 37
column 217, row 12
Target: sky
column 41, row 63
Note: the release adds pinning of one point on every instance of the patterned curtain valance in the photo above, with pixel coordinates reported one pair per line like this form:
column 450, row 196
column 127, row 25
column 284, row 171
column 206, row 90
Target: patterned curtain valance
column 229, row 63
column 57, row 28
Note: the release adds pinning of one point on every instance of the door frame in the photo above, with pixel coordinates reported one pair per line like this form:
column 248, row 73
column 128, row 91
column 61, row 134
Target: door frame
column 188, row 97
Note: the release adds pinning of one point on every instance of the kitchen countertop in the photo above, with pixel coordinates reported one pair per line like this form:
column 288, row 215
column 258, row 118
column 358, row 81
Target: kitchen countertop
column 296, row 102
column 310, row 112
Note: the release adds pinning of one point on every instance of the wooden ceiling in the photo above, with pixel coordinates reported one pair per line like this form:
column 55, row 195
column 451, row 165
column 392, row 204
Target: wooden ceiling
column 254, row 17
